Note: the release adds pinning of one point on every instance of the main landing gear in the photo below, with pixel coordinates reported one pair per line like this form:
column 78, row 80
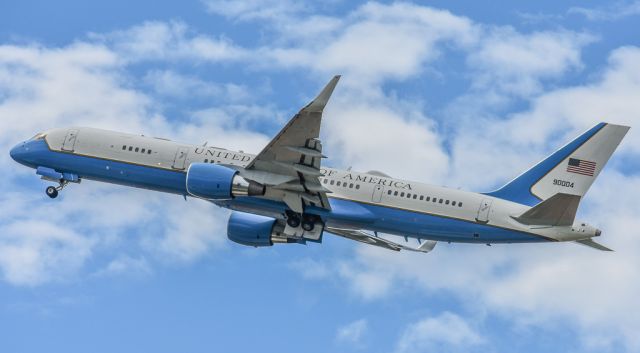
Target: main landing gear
column 303, row 226
column 308, row 221
column 52, row 191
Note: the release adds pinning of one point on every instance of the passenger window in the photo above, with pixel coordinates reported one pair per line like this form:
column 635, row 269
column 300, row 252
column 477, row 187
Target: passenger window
column 148, row 151
column 428, row 198
column 351, row 186
column 338, row 183
column 453, row 203
column 206, row 160
column 395, row 193
column 402, row 194
column 332, row 182
column 143, row 150
column 325, row 181
column 357, row 186
column 408, row 195
column 137, row 149
column 130, row 148
column 440, row 201
column 415, row 196
column 124, row 147
column 421, row 197
column 389, row 192
column 459, row 204
column 447, row 202
column 435, row 199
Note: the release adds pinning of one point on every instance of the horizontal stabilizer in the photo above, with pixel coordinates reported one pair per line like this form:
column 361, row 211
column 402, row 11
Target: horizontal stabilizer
column 558, row 210
column 592, row 244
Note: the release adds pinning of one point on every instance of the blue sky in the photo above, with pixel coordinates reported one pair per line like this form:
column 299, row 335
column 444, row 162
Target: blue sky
column 452, row 93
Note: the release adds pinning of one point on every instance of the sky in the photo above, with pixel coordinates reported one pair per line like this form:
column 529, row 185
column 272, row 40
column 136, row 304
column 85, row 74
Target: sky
column 464, row 94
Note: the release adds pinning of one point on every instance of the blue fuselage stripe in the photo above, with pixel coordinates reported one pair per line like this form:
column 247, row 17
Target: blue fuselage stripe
column 343, row 213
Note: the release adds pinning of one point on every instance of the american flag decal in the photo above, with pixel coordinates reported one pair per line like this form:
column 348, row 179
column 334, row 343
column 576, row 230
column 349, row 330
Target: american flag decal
column 580, row 166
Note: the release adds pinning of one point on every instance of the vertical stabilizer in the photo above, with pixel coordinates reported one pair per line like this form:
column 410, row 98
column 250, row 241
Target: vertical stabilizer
column 570, row 170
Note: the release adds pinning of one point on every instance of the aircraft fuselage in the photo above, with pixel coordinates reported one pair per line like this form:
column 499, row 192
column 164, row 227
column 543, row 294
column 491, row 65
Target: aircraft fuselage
column 369, row 201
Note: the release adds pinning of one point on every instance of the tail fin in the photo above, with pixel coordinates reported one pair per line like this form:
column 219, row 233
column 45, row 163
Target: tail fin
column 570, row 170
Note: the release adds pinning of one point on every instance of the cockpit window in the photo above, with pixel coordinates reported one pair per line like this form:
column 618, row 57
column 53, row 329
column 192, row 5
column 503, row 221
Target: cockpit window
column 39, row 136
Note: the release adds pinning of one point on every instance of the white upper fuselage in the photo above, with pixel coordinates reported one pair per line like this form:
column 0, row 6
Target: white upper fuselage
column 362, row 188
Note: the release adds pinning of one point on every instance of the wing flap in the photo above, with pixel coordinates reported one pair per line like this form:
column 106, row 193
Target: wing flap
column 364, row 237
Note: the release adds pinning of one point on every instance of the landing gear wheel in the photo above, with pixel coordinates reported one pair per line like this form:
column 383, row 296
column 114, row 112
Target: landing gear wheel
column 293, row 220
column 308, row 222
column 308, row 225
column 52, row 192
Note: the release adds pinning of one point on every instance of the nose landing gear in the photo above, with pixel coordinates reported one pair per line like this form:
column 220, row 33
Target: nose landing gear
column 52, row 191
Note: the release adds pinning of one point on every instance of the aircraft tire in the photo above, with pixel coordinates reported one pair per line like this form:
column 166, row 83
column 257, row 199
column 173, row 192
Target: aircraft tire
column 52, row 192
column 293, row 220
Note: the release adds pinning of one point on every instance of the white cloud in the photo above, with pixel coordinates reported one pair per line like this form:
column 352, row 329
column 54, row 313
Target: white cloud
column 516, row 62
column 192, row 229
column 126, row 265
column 540, row 283
column 33, row 252
column 353, row 333
column 611, row 12
column 310, row 268
column 399, row 141
column 169, row 41
column 555, row 118
column 446, row 332
column 86, row 84
column 254, row 9
column 172, row 84
column 378, row 41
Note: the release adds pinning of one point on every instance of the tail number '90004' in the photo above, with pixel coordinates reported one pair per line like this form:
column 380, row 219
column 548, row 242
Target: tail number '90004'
column 565, row 183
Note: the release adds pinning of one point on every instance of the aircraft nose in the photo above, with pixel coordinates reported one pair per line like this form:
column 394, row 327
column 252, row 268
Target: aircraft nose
column 16, row 152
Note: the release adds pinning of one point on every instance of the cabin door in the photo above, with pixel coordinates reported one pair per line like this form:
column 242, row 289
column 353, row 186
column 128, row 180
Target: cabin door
column 483, row 210
column 181, row 158
column 377, row 193
column 70, row 140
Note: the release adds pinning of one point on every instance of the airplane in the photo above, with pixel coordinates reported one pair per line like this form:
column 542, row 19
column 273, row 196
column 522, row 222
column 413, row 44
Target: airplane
column 284, row 195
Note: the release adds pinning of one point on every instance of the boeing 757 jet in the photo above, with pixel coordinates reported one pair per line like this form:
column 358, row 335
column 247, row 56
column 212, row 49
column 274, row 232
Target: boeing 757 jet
column 285, row 195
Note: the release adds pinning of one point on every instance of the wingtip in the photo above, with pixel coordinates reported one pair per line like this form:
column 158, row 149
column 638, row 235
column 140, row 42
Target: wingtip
column 321, row 100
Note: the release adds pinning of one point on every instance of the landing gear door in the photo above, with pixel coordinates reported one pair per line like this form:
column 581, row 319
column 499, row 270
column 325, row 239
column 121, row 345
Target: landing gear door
column 483, row 211
column 180, row 160
column 70, row 141
column 378, row 190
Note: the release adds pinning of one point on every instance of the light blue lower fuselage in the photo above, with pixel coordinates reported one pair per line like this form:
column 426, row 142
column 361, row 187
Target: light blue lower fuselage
column 344, row 212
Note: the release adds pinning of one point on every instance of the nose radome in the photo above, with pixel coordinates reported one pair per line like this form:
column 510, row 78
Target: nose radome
column 15, row 152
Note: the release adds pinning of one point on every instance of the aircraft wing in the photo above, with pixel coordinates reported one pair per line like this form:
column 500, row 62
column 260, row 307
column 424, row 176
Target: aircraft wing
column 290, row 164
column 364, row 237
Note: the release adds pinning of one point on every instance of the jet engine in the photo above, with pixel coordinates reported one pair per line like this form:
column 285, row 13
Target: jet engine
column 254, row 230
column 216, row 182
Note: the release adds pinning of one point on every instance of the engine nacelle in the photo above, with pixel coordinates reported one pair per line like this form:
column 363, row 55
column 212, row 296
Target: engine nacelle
column 250, row 229
column 216, row 182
